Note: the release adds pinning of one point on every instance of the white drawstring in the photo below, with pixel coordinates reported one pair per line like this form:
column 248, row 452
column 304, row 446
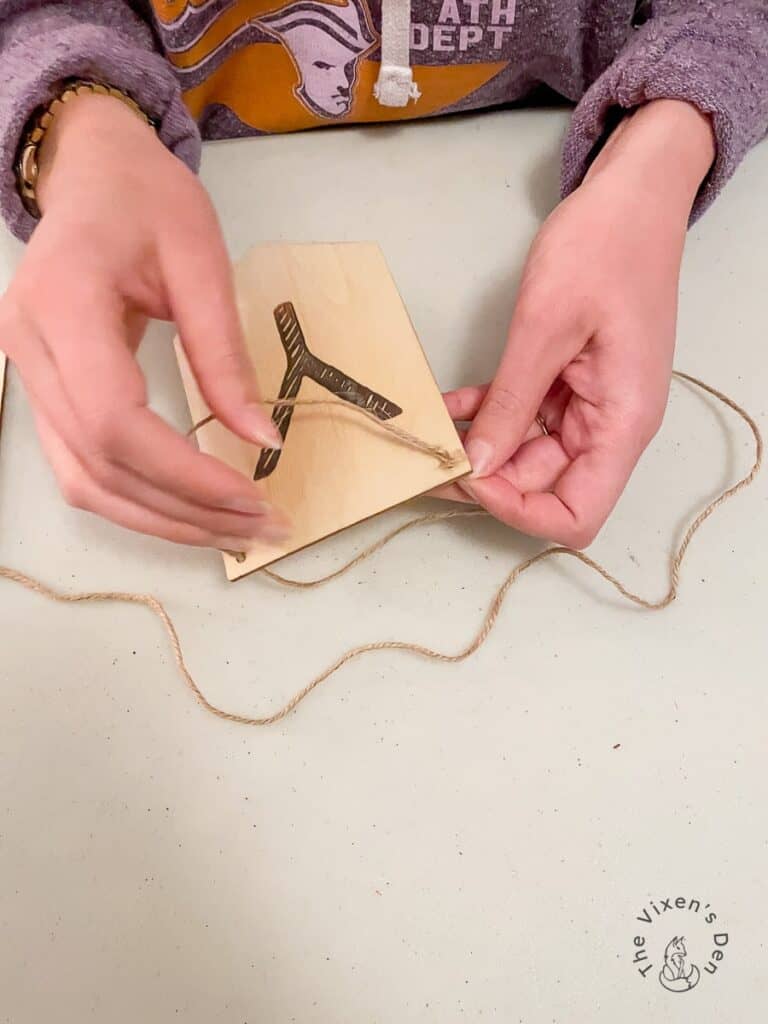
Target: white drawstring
column 395, row 85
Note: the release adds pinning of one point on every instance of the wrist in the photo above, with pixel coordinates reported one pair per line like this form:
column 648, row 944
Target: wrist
column 91, row 134
column 663, row 151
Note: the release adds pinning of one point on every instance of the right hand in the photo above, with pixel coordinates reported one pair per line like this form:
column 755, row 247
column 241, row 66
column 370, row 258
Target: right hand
column 128, row 233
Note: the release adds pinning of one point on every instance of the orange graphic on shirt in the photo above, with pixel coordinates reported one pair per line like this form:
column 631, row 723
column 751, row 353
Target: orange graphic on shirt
column 170, row 10
column 317, row 68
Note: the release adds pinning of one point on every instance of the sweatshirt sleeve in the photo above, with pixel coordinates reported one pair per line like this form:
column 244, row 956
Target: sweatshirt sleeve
column 42, row 44
column 712, row 53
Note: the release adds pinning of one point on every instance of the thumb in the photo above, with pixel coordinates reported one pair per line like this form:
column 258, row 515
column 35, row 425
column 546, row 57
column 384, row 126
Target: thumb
column 530, row 364
column 201, row 296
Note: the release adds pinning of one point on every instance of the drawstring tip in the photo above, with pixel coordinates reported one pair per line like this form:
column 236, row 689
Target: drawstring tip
column 395, row 86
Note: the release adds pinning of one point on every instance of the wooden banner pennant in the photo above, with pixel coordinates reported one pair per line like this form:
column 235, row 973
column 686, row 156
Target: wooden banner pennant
column 326, row 321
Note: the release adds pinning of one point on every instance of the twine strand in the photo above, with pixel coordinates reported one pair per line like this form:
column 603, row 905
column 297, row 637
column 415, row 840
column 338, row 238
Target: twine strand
column 444, row 458
column 490, row 618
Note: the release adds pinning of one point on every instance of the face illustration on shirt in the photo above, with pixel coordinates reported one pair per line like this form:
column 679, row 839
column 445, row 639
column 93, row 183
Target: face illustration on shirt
column 325, row 42
column 327, row 75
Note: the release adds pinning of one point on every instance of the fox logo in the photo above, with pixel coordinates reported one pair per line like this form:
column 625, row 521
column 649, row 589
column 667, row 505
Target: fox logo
column 677, row 975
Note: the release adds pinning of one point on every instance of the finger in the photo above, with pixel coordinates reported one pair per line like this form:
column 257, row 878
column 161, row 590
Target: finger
column 235, row 506
column 543, row 471
column 264, row 522
column 452, row 492
column 202, row 298
column 536, row 352
column 575, row 510
column 535, row 430
column 142, row 442
column 83, row 492
column 102, row 418
column 537, row 464
column 463, row 403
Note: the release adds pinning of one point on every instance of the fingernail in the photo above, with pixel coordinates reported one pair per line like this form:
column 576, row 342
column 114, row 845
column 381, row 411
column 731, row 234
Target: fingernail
column 263, row 432
column 480, row 454
column 249, row 506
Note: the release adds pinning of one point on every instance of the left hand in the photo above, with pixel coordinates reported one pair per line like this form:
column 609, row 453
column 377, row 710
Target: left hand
column 592, row 336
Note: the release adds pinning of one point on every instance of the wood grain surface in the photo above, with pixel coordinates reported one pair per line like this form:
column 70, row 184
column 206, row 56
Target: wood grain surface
column 336, row 468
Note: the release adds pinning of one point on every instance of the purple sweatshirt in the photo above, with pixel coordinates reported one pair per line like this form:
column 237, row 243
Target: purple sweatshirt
column 223, row 68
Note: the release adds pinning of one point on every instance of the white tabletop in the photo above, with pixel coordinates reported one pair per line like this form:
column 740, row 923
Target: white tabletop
column 419, row 842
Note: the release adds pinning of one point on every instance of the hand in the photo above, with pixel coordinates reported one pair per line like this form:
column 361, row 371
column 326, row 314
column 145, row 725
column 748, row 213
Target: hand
column 592, row 336
column 128, row 233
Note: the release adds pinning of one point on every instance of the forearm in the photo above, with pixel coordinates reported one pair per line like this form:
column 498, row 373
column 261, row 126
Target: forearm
column 89, row 135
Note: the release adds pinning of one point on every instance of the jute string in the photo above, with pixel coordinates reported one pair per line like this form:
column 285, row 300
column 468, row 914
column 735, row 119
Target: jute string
column 491, row 615
column 441, row 455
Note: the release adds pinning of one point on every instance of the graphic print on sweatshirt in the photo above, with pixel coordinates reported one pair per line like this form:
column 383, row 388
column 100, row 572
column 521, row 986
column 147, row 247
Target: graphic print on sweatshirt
column 283, row 66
